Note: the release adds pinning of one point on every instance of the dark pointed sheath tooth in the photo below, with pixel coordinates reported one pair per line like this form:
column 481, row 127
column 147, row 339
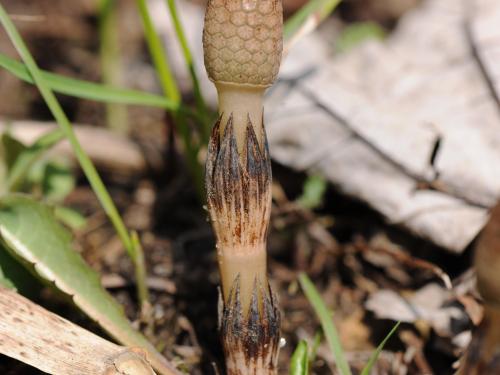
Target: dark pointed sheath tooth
column 254, row 159
column 237, row 314
column 212, row 152
column 265, row 151
column 255, row 337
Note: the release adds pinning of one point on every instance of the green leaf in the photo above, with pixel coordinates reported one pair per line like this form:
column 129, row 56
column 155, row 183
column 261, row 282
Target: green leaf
column 326, row 321
column 26, row 160
column 89, row 90
column 312, row 195
column 70, row 217
column 373, row 358
column 316, row 9
column 57, row 182
column 314, row 348
column 12, row 148
column 5, row 281
column 14, row 276
column 357, row 33
column 31, row 233
column 299, row 364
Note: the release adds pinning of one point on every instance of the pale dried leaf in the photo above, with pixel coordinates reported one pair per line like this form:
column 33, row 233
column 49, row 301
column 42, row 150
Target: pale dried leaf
column 108, row 150
column 369, row 120
column 54, row 345
column 431, row 304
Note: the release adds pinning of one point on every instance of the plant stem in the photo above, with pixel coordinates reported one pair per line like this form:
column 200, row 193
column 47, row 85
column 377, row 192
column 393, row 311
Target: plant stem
column 140, row 271
column 239, row 178
column 110, row 62
column 158, row 55
column 86, row 164
column 188, row 57
column 172, row 92
column 316, row 10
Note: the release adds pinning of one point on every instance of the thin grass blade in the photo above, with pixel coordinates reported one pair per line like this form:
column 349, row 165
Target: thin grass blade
column 299, row 364
column 158, row 54
column 368, row 368
column 307, row 19
column 188, row 58
column 326, row 321
column 111, row 66
column 89, row 90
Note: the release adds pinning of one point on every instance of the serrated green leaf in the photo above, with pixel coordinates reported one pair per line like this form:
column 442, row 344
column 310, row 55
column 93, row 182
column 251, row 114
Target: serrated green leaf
column 299, row 364
column 4, row 280
column 14, row 276
column 29, row 230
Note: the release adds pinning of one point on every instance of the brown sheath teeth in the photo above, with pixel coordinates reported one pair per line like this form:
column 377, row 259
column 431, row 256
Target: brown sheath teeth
column 238, row 187
column 254, row 338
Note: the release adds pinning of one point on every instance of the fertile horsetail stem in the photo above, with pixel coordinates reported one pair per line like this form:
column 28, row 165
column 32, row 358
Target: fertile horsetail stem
column 242, row 42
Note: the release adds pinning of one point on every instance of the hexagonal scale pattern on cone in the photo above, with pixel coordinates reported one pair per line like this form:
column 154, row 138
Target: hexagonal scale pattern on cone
column 243, row 41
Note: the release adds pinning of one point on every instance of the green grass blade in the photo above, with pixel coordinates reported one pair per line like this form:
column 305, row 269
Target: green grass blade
column 314, row 348
column 368, row 368
column 171, row 90
column 319, row 9
column 32, row 235
column 111, row 67
column 299, row 363
column 326, row 321
column 89, row 90
column 158, row 54
column 188, row 58
column 85, row 163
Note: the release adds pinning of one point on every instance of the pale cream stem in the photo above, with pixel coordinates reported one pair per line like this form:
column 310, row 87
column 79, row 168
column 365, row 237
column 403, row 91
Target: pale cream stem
column 241, row 101
column 247, row 264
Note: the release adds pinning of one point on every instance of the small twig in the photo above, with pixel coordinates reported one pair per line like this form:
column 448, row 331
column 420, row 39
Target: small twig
column 407, row 260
